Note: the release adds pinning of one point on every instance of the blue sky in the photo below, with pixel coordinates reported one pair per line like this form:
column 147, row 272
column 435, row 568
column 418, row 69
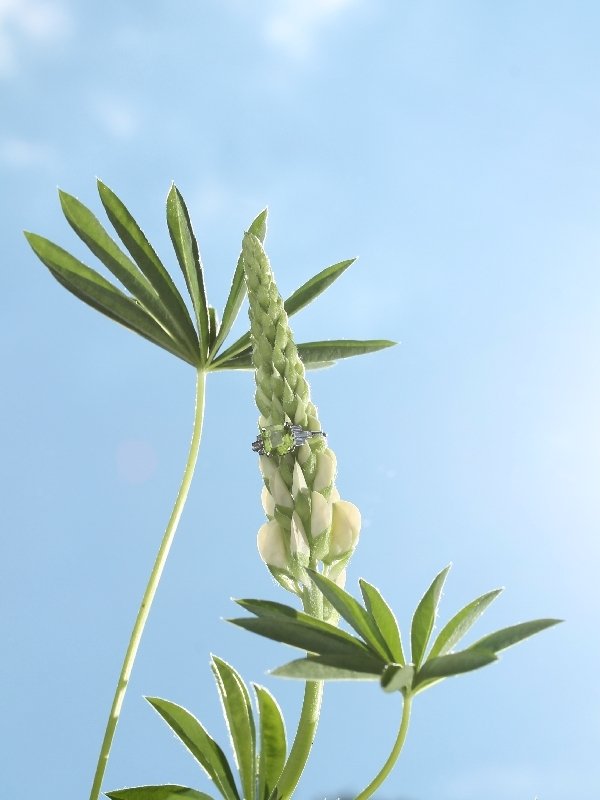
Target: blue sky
column 455, row 148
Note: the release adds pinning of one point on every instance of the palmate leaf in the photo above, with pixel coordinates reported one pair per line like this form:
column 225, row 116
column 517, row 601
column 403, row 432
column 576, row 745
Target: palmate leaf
column 204, row 749
column 188, row 256
column 96, row 291
column 272, row 742
column 166, row 792
column 144, row 256
column 237, row 710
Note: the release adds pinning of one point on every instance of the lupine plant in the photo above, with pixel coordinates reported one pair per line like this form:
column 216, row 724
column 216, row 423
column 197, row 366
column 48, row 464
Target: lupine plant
column 310, row 532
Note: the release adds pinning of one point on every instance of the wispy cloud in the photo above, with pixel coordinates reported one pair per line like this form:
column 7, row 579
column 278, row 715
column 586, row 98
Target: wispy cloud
column 294, row 25
column 24, row 22
column 25, row 154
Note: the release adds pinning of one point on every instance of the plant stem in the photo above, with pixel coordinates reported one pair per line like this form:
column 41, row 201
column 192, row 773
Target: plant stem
column 153, row 581
column 397, row 748
column 309, row 717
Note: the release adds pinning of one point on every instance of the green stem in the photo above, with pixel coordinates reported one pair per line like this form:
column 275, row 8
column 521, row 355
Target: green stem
column 153, row 581
column 393, row 757
column 309, row 717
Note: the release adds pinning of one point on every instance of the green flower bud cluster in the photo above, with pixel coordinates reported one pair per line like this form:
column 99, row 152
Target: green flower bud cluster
column 308, row 523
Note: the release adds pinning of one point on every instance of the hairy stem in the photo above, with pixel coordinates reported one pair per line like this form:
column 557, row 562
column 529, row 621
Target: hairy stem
column 393, row 757
column 149, row 593
column 309, row 717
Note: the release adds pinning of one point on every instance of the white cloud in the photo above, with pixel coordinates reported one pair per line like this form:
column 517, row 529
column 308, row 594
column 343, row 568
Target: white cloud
column 23, row 22
column 117, row 116
column 293, row 25
column 21, row 153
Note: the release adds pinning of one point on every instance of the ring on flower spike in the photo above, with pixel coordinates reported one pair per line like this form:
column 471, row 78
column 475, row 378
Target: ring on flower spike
column 282, row 439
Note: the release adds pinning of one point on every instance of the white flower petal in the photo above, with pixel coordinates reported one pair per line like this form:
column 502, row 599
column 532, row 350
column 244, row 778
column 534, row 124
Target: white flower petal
column 268, row 503
column 320, row 515
column 345, row 528
column 271, row 545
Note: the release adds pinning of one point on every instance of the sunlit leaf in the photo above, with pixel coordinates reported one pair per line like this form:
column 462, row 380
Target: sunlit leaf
column 240, row 720
column 330, row 668
column 204, row 749
column 507, row 637
column 454, row 664
column 310, row 290
column 144, row 256
column 385, row 620
column 424, row 617
column 166, row 792
column 354, row 614
column 96, row 291
column 272, row 740
column 461, row 623
column 188, row 256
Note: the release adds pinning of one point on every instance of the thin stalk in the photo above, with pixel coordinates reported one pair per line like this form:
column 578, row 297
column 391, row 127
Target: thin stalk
column 153, row 581
column 309, row 717
column 393, row 757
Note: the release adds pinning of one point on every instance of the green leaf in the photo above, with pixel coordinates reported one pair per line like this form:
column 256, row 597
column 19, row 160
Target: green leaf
column 398, row 678
column 310, row 290
column 237, row 710
column 354, row 614
column 313, row 354
column 461, row 623
column 454, row 664
column 329, row 668
column 507, row 637
column 92, row 233
column 97, row 292
column 384, row 618
column 302, row 636
column 166, row 792
column 188, row 256
column 237, row 291
column 204, row 749
column 273, row 745
column 424, row 617
column 144, row 256
column 213, row 327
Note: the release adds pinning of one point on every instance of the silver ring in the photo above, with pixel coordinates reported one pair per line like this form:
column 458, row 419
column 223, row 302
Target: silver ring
column 282, row 439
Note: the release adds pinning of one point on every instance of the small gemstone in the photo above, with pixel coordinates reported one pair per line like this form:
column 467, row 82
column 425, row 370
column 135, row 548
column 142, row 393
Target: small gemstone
column 277, row 439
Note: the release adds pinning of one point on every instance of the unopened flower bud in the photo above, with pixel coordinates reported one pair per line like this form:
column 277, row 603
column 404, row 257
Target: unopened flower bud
column 298, row 542
column 341, row 579
column 280, row 492
column 345, row 528
column 268, row 503
column 325, row 471
column 271, row 545
column 320, row 515
column 298, row 480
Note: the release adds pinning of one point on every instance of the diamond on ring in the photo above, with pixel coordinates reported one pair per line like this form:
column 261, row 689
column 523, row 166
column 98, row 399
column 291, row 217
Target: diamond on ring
column 282, row 439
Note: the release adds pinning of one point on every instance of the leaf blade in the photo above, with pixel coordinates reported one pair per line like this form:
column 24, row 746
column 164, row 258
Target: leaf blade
column 320, row 668
column 188, row 255
column 273, row 744
column 507, row 637
column 163, row 792
column 354, row 614
column 237, row 710
column 310, row 290
column 453, row 664
column 97, row 292
column 384, row 618
column 424, row 617
column 149, row 263
column 461, row 623
column 204, row 749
